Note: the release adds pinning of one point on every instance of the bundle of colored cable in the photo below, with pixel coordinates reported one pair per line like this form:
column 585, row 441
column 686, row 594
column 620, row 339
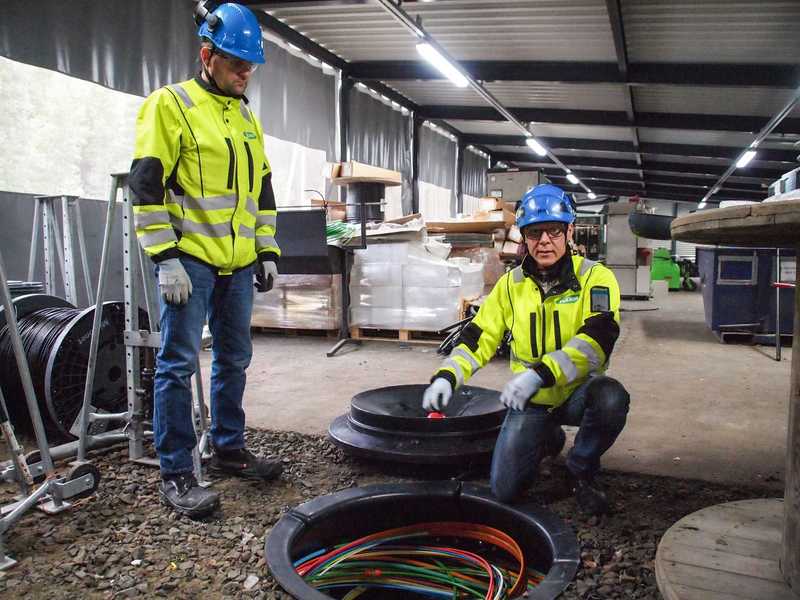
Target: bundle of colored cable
column 388, row 560
column 339, row 232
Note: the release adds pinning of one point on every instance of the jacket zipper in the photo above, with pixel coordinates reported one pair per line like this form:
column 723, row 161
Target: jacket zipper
column 249, row 165
column 544, row 329
column 557, row 329
column 233, row 176
column 231, row 162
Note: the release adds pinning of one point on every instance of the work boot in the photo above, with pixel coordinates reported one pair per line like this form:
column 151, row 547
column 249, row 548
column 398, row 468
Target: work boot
column 591, row 499
column 243, row 463
column 182, row 493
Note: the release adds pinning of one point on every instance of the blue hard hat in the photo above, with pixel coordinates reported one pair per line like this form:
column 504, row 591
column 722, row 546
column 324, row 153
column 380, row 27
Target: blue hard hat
column 236, row 32
column 545, row 203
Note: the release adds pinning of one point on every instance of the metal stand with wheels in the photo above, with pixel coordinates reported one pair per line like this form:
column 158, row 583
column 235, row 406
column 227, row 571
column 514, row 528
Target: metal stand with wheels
column 141, row 340
column 52, row 495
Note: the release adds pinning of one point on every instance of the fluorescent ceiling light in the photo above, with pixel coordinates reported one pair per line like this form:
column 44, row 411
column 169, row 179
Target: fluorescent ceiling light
column 440, row 62
column 572, row 179
column 745, row 159
column 536, row 146
column 592, row 195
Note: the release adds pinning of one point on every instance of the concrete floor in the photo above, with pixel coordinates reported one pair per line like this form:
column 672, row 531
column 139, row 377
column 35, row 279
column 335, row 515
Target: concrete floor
column 699, row 409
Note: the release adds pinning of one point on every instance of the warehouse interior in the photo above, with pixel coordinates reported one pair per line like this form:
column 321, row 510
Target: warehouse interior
column 672, row 126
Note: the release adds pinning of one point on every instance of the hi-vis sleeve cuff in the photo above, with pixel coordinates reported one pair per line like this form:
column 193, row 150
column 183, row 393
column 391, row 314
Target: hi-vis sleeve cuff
column 266, row 218
column 586, row 353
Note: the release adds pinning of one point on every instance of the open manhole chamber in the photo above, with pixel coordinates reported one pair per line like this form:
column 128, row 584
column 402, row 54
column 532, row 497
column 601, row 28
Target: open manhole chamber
column 390, row 424
column 548, row 545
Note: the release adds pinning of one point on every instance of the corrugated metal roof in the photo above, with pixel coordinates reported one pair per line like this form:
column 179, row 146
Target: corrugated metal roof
column 592, row 132
column 691, row 136
column 516, row 94
column 689, row 160
column 717, row 162
column 711, row 100
column 485, row 127
column 568, row 152
column 468, row 29
column 676, row 31
column 712, row 31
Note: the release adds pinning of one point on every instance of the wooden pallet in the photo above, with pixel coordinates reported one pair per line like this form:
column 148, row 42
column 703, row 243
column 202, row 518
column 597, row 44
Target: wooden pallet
column 406, row 336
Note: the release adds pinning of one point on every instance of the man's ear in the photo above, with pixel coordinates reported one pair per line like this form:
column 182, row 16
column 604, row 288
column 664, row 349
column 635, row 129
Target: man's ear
column 205, row 55
column 570, row 231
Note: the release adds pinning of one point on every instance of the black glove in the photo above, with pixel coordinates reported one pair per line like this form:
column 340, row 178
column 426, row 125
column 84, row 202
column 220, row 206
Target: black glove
column 266, row 274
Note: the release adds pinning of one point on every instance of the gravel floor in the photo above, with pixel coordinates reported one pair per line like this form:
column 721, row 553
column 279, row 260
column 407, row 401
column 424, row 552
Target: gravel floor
column 123, row 544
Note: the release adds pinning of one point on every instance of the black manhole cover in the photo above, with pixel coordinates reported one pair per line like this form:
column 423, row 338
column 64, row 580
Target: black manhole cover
column 390, row 424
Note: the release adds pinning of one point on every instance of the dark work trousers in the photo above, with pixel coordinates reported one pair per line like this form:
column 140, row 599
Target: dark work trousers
column 599, row 407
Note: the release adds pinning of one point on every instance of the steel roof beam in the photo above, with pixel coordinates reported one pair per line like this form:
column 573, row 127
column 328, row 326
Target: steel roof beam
column 651, row 195
column 679, row 180
column 703, row 74
column 613, row 163
column 611, row 118
column 618, row 32
column 692, row 150
column 634, row 187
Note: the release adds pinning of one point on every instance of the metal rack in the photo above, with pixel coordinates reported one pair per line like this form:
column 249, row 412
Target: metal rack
column 140, row 290
column 46, row 225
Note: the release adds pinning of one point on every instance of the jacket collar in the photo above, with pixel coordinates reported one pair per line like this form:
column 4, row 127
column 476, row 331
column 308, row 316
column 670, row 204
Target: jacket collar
column 213, row 89
column 566, row 278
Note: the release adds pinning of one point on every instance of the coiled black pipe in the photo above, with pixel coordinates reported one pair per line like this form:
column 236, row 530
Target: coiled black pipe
column 38, row 332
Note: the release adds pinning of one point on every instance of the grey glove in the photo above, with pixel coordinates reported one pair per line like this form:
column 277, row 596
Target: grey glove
column 437, row 394
column 173, row 281
column 266, row 274
column 520, row 389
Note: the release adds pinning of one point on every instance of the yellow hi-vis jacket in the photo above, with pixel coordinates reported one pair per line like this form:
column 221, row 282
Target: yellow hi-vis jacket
column 201, row 179
column 566, row 335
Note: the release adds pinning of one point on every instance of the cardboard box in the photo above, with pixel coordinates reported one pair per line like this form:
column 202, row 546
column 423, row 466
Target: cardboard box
column 488, row 203
column 477, row 224
column 510, row 249
column 356, row 172
column 514, row 234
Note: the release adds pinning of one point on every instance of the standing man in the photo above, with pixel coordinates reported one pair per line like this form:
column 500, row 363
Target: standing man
column 563, row 314
column 205, row 213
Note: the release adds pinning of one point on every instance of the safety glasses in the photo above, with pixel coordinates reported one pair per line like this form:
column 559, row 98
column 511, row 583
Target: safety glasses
column 235, row 64
column 535, row 233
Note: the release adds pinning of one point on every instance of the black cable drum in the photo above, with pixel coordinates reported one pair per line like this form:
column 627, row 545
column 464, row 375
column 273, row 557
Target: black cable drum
column 56, row 341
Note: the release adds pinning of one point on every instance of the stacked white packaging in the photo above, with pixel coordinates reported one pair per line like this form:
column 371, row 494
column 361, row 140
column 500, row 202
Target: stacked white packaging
column 403, row 285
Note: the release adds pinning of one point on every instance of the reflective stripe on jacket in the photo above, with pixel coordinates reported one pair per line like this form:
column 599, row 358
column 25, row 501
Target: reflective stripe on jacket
column 201, row 180
column 565, row 335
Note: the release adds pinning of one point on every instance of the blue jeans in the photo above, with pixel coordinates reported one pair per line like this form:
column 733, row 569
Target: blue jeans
column 227, row 301
column 599, row 407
